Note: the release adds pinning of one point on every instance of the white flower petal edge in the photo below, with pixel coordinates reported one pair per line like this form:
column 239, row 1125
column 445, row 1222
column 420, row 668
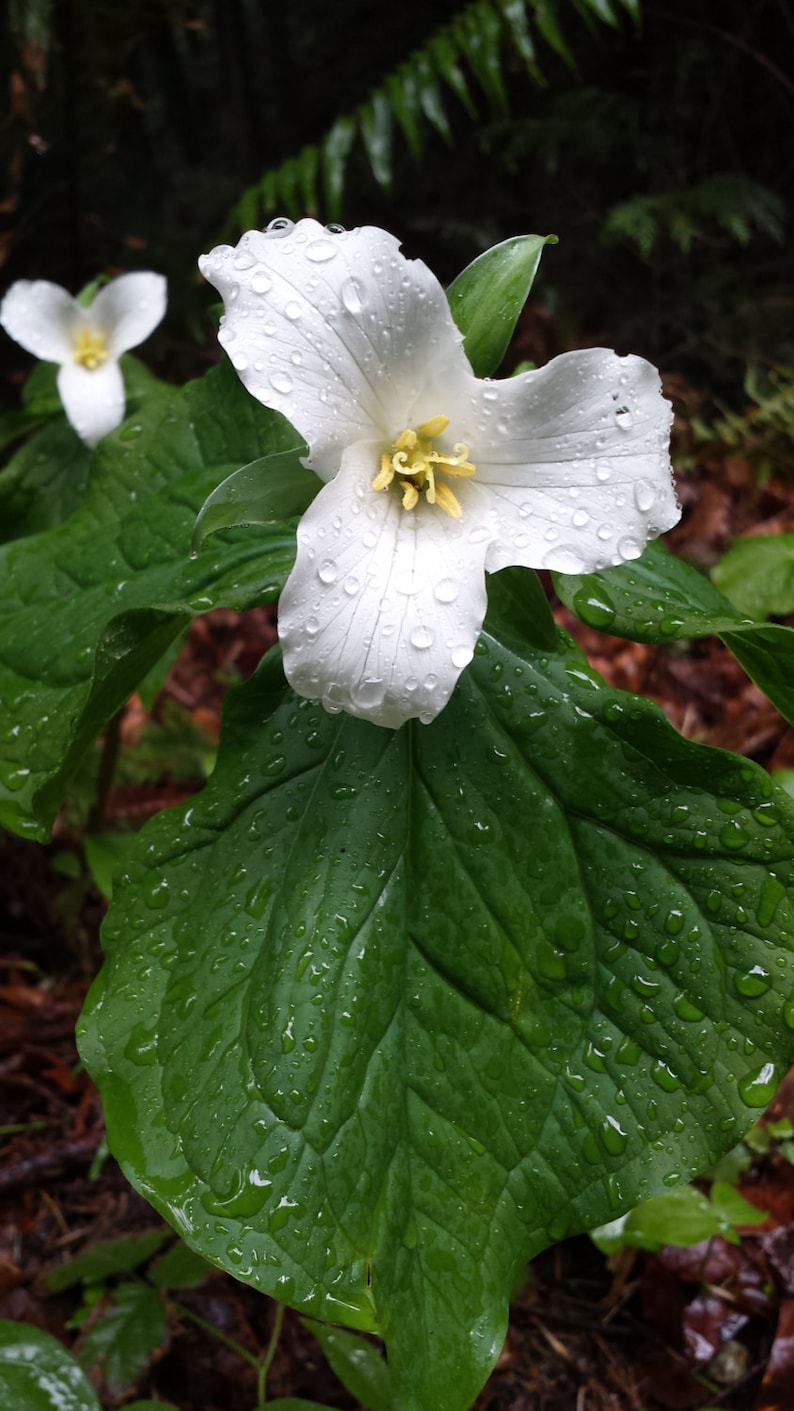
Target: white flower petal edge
column 86, row 342
column 128, row 309
column 440, row 476
column 42, row 318
column 337, row 331
column 382, row 610
column 92, row 399
column 578, row 462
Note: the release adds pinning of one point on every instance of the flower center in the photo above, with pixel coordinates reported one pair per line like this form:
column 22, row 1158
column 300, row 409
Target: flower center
column 90, row 349
column 416, row 465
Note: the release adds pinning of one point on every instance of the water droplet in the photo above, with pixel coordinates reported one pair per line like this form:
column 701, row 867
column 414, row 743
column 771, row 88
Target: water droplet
column 624, row 418
column 327, row 572
column 422, row 637
column 753, row 982
column 293, row 310
column 239, row 361
column 446, row 590
column 281, row 382
column 758, row 1087
column 351, row 586
column 461, row 657
column 320, row 250
column 280, row 227
column 629, row 548
column 644, row 496
column 260, row 282
column 580, row 519
column 409, row 581
column 243, row 259
column 353, row 296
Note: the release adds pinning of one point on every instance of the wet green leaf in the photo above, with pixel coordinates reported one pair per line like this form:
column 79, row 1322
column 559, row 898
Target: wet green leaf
column 359, row 1365
column 87, row 608
column 102, row 1261
column 757, row 574
column 384, row 1013
column 123, row 1339
column 488, row 296
column 267, row 491
column 659, row 598
column 37, row 1373
column 179, row 1268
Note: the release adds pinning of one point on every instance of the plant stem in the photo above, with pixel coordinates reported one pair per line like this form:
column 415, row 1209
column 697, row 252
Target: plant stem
column 202, row 1323
column 267, row 1357
column 107, row 768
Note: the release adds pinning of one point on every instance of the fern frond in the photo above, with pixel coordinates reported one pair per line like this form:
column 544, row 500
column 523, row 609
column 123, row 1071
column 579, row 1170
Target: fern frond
column 469, row 52
column 733, row 204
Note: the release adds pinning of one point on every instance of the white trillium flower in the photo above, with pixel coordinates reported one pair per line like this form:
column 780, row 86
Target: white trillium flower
column 87, row 342
column 433, row 476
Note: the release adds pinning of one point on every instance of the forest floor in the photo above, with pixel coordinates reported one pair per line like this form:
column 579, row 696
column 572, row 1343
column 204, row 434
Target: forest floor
column 679, row 1330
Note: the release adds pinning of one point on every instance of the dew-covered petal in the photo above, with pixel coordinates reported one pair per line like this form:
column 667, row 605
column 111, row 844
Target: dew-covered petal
column 383, row 607
column 576, row 459
column 336, row 330
column 128, row 309
column 93, row 399
column 42, row 318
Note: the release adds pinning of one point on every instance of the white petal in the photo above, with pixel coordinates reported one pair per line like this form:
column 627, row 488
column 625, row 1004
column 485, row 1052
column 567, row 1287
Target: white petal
column 128, row 309
column 382, row 610
column 576, row 459
column 42, row 318
column 92, row 399
column 338, row 331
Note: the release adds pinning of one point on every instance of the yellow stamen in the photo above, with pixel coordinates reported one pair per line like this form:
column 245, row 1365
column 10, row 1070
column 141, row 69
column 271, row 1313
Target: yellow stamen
column 413, row 459
column 90, row 349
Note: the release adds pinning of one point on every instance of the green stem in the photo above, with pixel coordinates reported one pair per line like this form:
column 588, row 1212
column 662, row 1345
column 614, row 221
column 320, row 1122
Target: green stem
column 267, row 1358
column 202, row 1323
column 107, row 768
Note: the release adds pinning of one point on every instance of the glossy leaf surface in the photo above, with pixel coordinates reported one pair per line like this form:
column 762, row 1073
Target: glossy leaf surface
column 384, row 1013
column 88, row 608
column 488, row 296
column 37, row 1373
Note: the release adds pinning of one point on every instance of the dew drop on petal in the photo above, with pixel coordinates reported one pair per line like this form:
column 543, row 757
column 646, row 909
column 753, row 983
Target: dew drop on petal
column 280, row 382
column 477, row 535
column 351, row 586
column 280, row 227
column 624, row 418
column 580, row 518
column 409, row 581
column 327, row 572
column 370, row 692
column 320, row 250
column 446, row 590
column 629, row 548
column 260, row 283
column 422, row 637
column 603, row 472
column 243, row 259
column 293, row 310
column 461, row 657
column 239, row 361
column 352, row 296
column 644, row 496
column 312, row 626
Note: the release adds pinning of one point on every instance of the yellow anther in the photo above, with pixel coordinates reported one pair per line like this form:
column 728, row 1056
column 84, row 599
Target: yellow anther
column 447, row 501
column 413, row 458
column 433, row 427
column 90, row 349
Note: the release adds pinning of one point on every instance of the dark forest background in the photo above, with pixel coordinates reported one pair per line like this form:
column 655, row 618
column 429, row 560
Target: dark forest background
column 658, row 148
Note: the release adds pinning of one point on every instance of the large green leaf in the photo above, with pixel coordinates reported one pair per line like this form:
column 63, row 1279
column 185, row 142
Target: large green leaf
column 37, row 1373
column 47, row 478
column 384, row 1013
column 89, row 607
column 659, row 598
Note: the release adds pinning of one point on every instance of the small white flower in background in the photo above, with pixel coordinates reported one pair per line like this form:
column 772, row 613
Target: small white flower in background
column 87, row 342
column 433, row 476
